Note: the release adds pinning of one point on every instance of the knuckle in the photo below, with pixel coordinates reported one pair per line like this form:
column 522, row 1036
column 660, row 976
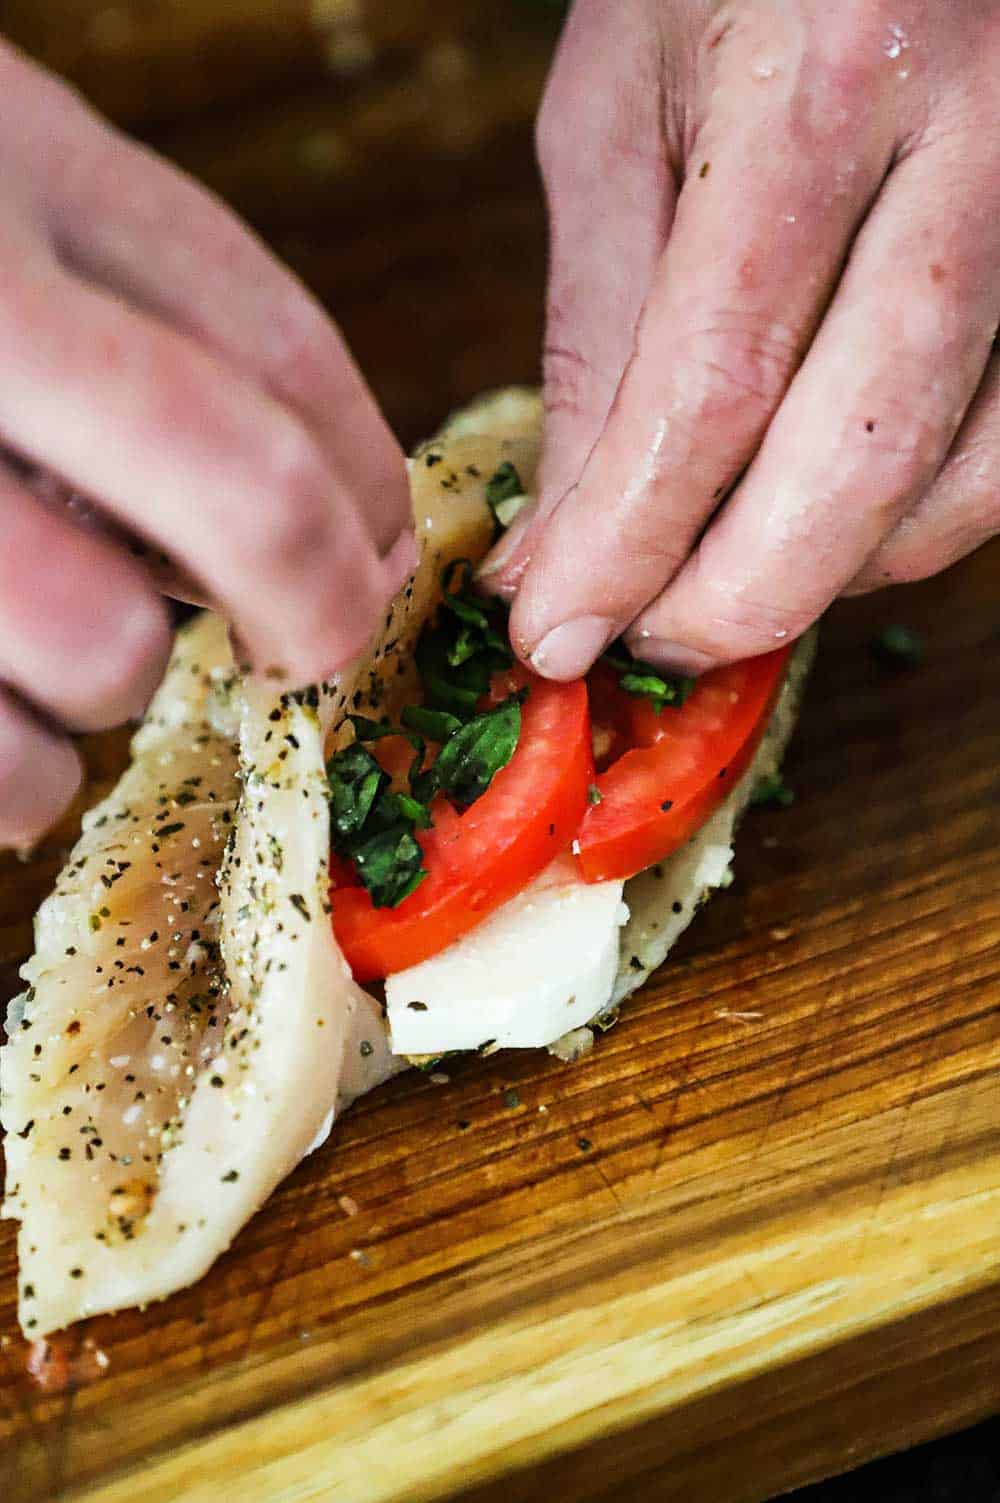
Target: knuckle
column 82, row 164
column 846, row 81
column 736, row 622
column 848, row 68
column 902, row 448
column 292, row 465
column 573, row 383
column 302, row 343
column 657, row 552
column 604, row 84
column 294, row 521
column 629, row 138
column 838, row 112
column 736, row 370
column 91, row 171
column 754, row 626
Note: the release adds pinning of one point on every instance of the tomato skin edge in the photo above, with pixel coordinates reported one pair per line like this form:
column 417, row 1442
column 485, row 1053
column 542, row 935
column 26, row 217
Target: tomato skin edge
column 614, row 844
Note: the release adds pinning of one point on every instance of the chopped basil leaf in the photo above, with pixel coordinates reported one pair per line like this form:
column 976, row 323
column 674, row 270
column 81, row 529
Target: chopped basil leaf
column 644, row 681
column 660, row 692
column 456, row 689
column 899, row 647
column 374, row 730
column 436, row 725
column 390, row 865
column 415, row 810
column 371, row 730
column 456, row 657
column 772, row 792
column 374, row 827
column 503, row 485
column 464, row 647
column 471, row 758
column 355, row 781
column 459, row 654
column 474, row 611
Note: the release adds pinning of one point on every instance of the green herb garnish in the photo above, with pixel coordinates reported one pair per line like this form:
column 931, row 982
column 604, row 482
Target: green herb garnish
column 503, row 485
column 477, row 633
column 471, row 758
column 390, row 864
column 374, row 730
column 355, row 780
column 644, row 681
column 899, row 647
column 373, row 827
column 366, row 729
column 459, row 654
column 436, row 725
column 772, row 792
column 456, row 657
column 414, row 809
column 456, row 690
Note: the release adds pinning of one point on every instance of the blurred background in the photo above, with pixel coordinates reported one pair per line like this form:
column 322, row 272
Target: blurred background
column 382, row 147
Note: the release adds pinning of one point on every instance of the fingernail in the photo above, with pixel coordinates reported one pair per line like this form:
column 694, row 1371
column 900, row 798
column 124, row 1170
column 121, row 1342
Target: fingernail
column 672, row 656
column 570, row 649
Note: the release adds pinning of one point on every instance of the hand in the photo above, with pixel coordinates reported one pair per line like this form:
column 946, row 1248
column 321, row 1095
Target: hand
column 774, row 291
column 157, row 359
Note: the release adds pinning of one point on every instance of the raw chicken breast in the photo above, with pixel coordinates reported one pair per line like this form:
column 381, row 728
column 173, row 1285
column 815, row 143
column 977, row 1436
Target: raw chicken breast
column 179, row 1048
column 124, row 1008
column 190, row 1026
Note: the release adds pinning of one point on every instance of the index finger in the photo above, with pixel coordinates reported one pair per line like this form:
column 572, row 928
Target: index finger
column 138, row 226
column 179, row 448
column 130, row 222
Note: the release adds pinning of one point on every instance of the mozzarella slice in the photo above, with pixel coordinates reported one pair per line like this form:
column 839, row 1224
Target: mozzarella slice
column 542, row 964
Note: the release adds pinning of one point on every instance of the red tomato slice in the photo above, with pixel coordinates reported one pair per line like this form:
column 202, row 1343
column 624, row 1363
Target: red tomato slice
column 679, row 767
column 478, row 859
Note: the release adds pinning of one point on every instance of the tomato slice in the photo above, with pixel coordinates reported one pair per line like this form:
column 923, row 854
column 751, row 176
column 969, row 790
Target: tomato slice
column 679, row 766
column 478, row 859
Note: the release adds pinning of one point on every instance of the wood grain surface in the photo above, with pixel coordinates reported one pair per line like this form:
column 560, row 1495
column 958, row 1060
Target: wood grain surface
column 753, row 1238
column 756, row 1230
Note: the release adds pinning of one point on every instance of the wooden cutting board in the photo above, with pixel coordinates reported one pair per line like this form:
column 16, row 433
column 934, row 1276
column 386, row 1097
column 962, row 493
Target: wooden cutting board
column 754, row 1238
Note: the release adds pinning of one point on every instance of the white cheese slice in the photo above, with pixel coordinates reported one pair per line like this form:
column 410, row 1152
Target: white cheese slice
column 542, row 964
